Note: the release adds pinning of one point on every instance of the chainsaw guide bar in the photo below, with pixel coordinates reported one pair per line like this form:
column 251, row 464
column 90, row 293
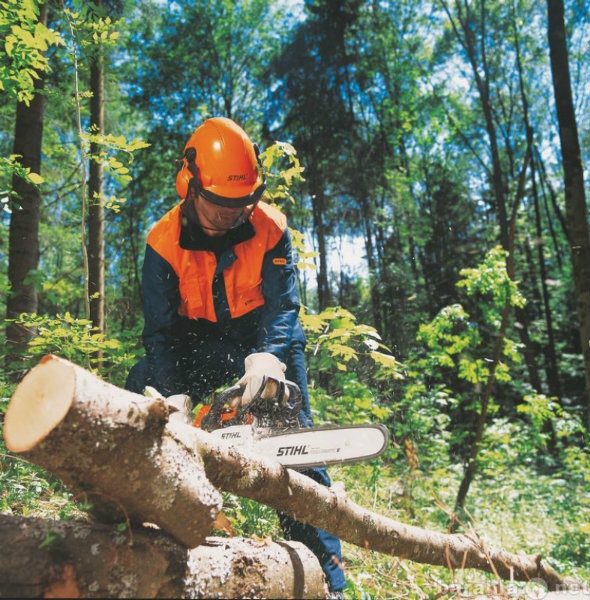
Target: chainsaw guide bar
column 271, row 427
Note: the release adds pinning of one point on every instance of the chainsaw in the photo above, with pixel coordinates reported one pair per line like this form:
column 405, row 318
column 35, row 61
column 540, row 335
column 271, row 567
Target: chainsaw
column 270, row 425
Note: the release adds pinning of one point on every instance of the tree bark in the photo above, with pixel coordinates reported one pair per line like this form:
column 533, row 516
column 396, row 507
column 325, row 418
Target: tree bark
column 69, row 559
column 23, row 249
column 318, row 210
column 111, row 446
column 69, row 421
column 573, row 176
column 330, row 509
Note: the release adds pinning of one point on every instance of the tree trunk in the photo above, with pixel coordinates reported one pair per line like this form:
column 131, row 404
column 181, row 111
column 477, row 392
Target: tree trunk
column 318, row 208
column 96, row 196
column 23, row 249
column 522, row 314
column 69, row 559
column 470, row 33
column 69, row 421
column 573, row 174
column 472, row 462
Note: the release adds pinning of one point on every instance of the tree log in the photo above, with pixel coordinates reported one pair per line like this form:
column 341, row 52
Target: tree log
column 111, row 446
column 66, row 559
column 70, row 422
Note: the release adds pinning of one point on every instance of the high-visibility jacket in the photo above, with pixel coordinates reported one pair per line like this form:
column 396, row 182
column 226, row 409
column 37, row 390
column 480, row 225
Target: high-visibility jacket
column 196, row 270
column 246, row 290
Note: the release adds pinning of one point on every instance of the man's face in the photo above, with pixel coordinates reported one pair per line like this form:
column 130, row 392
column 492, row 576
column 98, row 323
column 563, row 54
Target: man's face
column 216, row 220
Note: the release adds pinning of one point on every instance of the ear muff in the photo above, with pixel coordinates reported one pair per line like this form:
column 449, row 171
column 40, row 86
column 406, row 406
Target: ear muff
column 187, row 174
column 260, row 165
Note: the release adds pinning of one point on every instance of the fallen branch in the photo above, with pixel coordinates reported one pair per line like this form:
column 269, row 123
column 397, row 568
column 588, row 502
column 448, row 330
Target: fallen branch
column 331, row 509
column 100, row 439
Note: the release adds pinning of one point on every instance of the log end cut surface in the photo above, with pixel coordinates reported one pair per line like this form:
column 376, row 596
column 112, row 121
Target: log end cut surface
column 39, row 404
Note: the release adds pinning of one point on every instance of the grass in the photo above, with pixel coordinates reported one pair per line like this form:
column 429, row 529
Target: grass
column 528, row 513
column 514, row 506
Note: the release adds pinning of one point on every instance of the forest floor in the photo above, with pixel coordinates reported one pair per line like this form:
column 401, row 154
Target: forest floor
column 520, row 509
column 522, row 513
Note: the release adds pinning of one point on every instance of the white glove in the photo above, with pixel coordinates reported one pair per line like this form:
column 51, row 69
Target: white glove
column 180, row 405
column 257, row 366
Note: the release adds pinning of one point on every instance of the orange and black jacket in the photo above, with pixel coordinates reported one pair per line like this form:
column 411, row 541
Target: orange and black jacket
column 242, row 285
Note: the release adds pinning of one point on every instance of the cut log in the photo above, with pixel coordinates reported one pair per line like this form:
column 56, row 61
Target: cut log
column 248, row 568
column 65, row 559
column 119, row 445
column 110, row 446
column 288, row 491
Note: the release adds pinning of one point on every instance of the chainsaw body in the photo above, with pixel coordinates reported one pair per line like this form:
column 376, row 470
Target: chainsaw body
column 270, row 425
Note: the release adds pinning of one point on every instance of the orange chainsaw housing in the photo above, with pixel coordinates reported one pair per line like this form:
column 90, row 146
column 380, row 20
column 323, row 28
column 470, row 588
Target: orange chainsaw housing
column 227, row 415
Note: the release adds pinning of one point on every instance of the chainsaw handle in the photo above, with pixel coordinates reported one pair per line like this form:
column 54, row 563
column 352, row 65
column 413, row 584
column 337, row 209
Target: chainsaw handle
column 258, row 407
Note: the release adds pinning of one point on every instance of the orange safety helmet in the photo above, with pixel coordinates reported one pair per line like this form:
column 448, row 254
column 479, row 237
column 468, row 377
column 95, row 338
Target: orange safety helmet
column 222, row 164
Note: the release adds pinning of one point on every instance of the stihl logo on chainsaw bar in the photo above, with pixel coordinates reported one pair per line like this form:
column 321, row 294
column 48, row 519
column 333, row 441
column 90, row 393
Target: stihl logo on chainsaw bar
column 292, row 450
column 232, row 435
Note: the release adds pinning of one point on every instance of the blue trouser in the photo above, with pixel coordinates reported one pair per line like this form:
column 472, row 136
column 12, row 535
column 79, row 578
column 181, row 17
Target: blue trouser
column 210, row 364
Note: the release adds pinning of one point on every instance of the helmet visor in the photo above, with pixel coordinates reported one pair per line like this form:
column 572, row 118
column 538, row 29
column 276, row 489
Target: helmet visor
column 240, row 202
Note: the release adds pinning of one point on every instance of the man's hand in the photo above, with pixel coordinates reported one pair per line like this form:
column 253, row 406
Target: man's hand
column 257, row 366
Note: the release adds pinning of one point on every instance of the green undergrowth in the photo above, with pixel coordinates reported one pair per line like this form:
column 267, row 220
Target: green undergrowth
column 520, row 502
column 528, row 512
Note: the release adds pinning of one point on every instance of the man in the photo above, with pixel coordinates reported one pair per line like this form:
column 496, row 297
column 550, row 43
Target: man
column 220, row 294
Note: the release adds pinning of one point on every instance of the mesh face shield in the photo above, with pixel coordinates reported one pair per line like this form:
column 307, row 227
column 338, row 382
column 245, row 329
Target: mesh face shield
column 241, row 202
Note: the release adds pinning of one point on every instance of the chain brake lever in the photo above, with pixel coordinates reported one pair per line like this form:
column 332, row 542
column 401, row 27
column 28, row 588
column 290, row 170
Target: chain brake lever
column 277, row 412
column 280, row 411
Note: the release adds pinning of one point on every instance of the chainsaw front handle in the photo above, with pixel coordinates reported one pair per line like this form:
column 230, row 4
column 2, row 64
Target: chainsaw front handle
column 278, row 411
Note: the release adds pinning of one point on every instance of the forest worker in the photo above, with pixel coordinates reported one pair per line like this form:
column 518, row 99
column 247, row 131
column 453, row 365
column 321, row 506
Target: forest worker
column 220, row 295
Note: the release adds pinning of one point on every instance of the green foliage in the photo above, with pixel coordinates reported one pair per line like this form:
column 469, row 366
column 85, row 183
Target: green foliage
column 73, row 339
column 283, row 170
column 337, row 342
column 25, row 45
column 249, row 518
column 354, row 402
column 28, row 490
column 448, row 335
column 443, row 398
column 115, row 154
column 302, row 255
column 491, row 281
column 422, row 416
column 10, row 167
column 92, row 30
column 103, row 32
column 456, row 341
